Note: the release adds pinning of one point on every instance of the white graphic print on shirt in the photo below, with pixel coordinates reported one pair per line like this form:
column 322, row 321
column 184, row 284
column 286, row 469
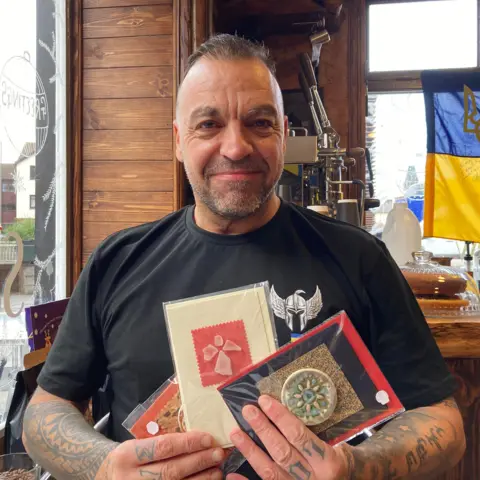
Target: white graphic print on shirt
column 296, row 310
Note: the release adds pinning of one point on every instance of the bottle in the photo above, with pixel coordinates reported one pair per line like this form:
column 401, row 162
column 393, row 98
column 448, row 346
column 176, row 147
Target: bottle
column 476, row 267
column 402, row 234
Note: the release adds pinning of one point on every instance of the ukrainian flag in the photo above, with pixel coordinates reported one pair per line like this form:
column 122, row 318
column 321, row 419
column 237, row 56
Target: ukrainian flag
column 452, row 179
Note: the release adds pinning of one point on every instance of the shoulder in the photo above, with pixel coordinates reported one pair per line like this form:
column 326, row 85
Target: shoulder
column 339, row 237
column 138, row 238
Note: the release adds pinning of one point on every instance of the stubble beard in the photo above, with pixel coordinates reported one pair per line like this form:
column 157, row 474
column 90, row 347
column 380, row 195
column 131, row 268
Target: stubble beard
column 238, row 202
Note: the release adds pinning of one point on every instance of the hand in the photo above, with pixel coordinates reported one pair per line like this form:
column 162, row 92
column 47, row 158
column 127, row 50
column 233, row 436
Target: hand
column 166, row 457
column 296, row 452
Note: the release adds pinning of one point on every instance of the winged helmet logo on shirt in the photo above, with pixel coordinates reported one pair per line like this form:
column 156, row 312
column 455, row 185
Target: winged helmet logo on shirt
column 296, row 310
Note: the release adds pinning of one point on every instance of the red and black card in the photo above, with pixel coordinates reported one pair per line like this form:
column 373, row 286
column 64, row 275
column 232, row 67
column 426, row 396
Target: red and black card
column 364, row 398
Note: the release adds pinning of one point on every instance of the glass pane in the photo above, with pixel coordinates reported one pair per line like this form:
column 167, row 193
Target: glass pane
column 397, row 141
column 32, row 171
column 422, row 35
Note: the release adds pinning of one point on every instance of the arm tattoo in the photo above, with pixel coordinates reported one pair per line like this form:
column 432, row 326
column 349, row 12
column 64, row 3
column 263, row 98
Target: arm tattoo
column 58, row 438
column 417, row 444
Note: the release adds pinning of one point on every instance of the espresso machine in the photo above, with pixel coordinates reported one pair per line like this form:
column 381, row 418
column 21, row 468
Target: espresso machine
column 323, row 162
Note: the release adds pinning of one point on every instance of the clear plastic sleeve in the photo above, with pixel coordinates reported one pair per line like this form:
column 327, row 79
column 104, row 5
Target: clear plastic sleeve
column 161, row 414
column 212, row 338
column 327, row 378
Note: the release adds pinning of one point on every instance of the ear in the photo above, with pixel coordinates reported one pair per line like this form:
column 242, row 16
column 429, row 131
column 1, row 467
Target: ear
column 285, row 130
column 178, row 149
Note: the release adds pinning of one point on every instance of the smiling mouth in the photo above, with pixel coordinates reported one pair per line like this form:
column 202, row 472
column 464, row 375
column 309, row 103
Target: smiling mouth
column 237, row 174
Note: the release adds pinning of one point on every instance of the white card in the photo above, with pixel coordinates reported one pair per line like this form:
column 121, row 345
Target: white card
column 212, row 338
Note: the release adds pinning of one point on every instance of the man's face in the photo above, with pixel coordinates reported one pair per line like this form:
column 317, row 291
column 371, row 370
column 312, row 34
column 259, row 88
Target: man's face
column 230, row 134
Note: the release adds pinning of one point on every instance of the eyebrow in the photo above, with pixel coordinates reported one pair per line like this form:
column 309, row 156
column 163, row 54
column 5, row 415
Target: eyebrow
column 212, row 112
column 205, row 111
column 266, row 109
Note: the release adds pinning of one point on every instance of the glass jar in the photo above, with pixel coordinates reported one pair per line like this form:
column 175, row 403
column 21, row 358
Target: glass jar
column 18, row 466
column 441, row 291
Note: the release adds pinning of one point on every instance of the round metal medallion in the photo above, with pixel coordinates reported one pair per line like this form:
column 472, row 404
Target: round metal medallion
column 311, row 395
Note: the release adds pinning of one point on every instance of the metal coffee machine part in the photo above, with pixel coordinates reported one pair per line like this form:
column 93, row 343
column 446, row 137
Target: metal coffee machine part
column 321, row 155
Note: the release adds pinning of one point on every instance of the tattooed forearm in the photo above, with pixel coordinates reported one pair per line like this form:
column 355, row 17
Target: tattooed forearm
column 421, row 443
column 57, row 437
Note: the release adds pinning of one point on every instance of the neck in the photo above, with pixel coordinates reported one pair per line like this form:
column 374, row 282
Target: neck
column 211, row 222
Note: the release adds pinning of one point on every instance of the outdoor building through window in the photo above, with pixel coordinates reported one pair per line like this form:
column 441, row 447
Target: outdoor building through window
column 32, row 170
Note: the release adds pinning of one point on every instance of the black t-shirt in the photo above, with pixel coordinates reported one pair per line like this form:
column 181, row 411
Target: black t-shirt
column 114, row 321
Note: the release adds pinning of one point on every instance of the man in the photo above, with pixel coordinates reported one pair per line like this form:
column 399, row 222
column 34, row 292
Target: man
column 230, row 135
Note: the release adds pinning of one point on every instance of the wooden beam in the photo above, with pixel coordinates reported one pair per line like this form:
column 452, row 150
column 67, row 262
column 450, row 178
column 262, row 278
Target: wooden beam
column 74, row 139
column 357, row 92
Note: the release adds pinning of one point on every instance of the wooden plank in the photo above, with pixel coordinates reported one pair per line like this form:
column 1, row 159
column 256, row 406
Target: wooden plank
column 127, row 145
column 127, row 114
column 128, row 52
column 131, row 82
column 126, row 206
column 133, row 176
column 122, row 3
column 127, row 21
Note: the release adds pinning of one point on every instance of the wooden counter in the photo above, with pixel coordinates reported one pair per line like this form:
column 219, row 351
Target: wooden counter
column 459, row 342
column 457, row 338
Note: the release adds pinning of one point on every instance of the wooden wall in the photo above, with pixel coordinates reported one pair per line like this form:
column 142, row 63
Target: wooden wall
column 128, row 88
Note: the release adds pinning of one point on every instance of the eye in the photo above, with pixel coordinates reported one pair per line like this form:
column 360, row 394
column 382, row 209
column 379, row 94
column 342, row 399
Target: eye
column 207, row 125
column 262, row 123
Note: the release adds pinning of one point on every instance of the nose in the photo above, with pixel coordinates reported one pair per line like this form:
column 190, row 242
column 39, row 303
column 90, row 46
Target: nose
column 235, row 143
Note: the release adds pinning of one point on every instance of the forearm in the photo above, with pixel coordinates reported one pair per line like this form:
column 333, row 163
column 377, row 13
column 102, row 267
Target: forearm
column 57, row 436
column 421, row 444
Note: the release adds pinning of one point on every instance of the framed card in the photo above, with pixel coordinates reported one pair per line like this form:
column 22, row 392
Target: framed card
column 212, row 338
column 327, row 378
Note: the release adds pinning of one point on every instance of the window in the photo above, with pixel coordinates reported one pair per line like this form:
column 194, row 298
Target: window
column 7, row 186
column 33, row 86
column 422, row 35
column 403, row 39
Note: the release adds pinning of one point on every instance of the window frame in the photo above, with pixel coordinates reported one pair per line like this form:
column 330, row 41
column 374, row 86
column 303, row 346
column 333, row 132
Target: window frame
column 32, row 197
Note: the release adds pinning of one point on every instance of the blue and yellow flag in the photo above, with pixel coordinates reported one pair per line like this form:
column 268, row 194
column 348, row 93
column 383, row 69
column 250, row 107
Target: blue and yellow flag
column 452, row 178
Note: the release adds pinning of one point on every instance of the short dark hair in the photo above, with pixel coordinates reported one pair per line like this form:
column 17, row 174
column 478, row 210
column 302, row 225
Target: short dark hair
column 230, row 47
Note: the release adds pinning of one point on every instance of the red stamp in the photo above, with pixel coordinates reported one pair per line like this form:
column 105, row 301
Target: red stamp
column 222, row 351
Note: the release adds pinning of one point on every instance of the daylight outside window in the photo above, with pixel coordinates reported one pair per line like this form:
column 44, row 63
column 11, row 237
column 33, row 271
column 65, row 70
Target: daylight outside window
column 404, row 37
column 32, row 171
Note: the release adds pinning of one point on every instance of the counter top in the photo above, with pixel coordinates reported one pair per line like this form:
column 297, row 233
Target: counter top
column 457, row 338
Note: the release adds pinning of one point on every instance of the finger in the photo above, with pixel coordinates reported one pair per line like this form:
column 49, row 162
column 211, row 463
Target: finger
column 236, row 476
column 281, row 451
column 295, row 431
column 211, row 474
column 186, row 465
column 257, row 458
column 168, row 446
